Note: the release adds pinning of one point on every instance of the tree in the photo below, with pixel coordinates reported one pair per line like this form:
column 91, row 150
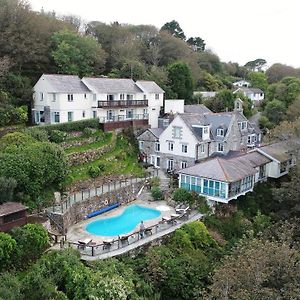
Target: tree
column 278, row 71
column 224, row 100
column 180, row 80
column 7, row 188
column 258, row 80
column 197, row 43
column 181, row 195
column 10, row 287
column 293, row 111
column 76, row 54
column 7, row 248
column 275, row 111
column 209, row 61
column 174, row 29
column 256, row 65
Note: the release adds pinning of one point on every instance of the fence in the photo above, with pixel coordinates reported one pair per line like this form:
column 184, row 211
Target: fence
column 93, row 249
column 84, row 195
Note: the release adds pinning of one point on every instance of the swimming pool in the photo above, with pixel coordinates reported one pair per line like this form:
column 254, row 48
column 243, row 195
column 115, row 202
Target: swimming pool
column 123, row 223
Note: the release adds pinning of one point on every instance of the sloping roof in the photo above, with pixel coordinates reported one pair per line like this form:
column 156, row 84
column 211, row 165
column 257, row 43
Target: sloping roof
column 220, row 169
column 254, row 159
column 194, row 119
column 112, row 85
column 156, row 131
column 249, row 90
column 11, row 207
column 65, row 83
column 149, row 86
column 196, row 108
column 281, row 151
column 219, row 121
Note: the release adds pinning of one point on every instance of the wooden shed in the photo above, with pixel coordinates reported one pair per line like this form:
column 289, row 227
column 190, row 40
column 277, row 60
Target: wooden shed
column 12, row 214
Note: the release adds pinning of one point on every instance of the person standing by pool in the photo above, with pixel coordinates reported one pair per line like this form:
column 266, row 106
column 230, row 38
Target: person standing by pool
column 142, row 229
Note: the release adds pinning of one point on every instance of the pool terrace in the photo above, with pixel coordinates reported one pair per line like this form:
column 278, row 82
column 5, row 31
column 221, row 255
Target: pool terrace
column 93, row 247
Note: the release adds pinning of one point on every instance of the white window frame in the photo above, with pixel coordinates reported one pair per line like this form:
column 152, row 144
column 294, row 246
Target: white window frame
column 220, row 132
column 94, row 114
column 122, row 96
column 177, row 132
column 220, row 147
column 56, row 114
column 170, row 164
column 83, row 113
column 202, row 148
column 171, row 146
column 70, row 113
column 156, row 96
column 205, row 130
column 53, row 97
column 157, row 146
column 183, row 164
column 70, row 97
column 141, row 145
column 184, row 148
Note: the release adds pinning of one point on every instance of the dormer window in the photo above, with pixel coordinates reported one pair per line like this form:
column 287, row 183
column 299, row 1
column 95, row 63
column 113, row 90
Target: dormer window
column 220, row 132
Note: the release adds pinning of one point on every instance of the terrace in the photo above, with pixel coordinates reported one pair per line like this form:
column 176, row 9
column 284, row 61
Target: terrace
column 122, row 103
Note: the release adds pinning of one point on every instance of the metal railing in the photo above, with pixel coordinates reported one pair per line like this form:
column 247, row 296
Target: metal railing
column 94, row 249
column 121, row 118
column 122, row 103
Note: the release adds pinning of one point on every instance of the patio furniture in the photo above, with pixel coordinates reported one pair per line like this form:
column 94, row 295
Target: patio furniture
column 148, row 231
column 181, row 209
column 83, row 243
column 124, row 239
column 107, row 244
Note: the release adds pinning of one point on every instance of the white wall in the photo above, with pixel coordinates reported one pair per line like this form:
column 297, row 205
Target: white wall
column 174, row 106
column 187, row 138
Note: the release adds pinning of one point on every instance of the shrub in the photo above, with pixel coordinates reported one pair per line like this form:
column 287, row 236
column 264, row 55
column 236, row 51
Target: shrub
column 156, row 193
column 154, row 181
column 87, row 132
column 7, row 187
column 101, row 167
column 38, row 134
column 94, row 172
column 57, row 136
column 7, row 248
column 181, row 195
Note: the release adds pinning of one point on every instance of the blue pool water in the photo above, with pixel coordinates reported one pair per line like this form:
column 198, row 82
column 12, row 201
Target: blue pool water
column 123, row 223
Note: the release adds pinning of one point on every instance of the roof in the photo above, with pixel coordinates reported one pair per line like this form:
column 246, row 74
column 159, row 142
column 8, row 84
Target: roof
column 149, row 86
column 221, row 169
column 281, row 151
column 11, row 207
column 196, row 108
column 65, row 83
column 254, row 159
column 249, row 90
column 156, row 131
column 219, row 121
column 112, row 85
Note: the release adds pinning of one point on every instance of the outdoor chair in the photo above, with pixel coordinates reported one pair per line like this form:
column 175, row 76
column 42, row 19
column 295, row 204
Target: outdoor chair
column 107, row 244
column 181, row 209
column 124, row 239
column 148, row 231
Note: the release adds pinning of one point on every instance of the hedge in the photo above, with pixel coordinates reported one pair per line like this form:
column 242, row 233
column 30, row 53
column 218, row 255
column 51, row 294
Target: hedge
column 71, row 126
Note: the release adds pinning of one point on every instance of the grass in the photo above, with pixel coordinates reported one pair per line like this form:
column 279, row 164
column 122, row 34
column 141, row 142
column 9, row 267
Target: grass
column 121, row 160
column 94, row 145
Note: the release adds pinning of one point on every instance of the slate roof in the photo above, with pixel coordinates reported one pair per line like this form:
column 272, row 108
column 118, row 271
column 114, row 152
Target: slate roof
column 249, row 90
column 11, row 207
column 65, row 83
column 149, row 86
column 156, row 131
column 281, row 151
column 254, row 159
column 112, row 85
column 221, row 169
column 219, row 121
column 196, row 108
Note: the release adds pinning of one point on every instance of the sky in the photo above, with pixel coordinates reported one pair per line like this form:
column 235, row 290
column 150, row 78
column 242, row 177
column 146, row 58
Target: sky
column 236, row 30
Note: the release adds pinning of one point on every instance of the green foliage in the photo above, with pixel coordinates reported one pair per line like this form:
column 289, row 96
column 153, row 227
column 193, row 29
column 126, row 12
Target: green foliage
column 10, row 115
column 260, row 222
column 258, row 80
column 71, row 126
column 275, row 111
column 174, row 29
column 57, row 136
column 88, row 132
column 37, row 133
column 15, row 140
column 75, row 54
column 7, row 249
column 7, row 188
column 181, row 195
column 156, row 193
column 154, row 181
column 197, row 43
column 223, row 100
column 10, row 287
column 181, row 81
column 94, row 171
column 32, row 240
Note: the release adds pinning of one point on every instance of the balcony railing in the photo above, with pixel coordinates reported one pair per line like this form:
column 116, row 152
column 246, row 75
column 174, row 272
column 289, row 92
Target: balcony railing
column 122, row 103
column 120, row 118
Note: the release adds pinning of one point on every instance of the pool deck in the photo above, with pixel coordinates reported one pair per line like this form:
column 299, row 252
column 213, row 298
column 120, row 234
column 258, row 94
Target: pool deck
column 159, row 229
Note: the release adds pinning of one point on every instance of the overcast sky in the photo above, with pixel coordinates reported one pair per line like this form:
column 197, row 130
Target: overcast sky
column 236, row 30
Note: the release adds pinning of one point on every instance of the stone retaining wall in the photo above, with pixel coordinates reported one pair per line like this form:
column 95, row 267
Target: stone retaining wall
column 79, row 210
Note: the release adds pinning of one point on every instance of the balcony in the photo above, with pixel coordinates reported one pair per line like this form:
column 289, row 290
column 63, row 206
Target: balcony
column 122, row 103
column 121, row 121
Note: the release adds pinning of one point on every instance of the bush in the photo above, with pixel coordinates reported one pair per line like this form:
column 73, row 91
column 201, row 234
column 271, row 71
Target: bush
column 101, row 167
column 38, row 134
column 154, row 181
column 94, row 172
column 181, row 195
column 57, row 136
column 7, row 187
column 87, row 132
column 72, row 126
column 156, row 193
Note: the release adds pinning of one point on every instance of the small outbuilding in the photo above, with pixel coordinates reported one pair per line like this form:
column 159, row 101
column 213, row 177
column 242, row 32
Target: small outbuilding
column 12, row 214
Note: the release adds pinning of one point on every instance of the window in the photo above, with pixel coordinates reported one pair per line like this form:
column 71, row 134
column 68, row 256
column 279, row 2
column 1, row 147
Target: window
column 166, row 123
column 145, row 97
column 94, row 97
column 246, row 183
column 170, row 146
column 202, row 148
column 70, row 97
column 56, row 117
column 94, row 114
column 170, row 164
column 262, row 172
column 183, row 164
column 184, row 148
column 129, row 113
column 205, row 130
column 70, row 116
column 122, row 96
column 157, row 147
column 85, row 96
column 53, row 97
column 83, row 113
column 145, row 112
column 243, row 125
column 156, row 96
column 220, row 147
column 214, row 188
column 129, row 97
column 41, row 96
column 177, row 132
column 110, row 97
column 220, row 132
column 141, row 145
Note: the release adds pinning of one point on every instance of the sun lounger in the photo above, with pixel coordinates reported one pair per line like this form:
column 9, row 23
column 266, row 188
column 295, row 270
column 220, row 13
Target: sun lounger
column 107, row 244
column 124, row 239
column 83, row 243
column 181, row 209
